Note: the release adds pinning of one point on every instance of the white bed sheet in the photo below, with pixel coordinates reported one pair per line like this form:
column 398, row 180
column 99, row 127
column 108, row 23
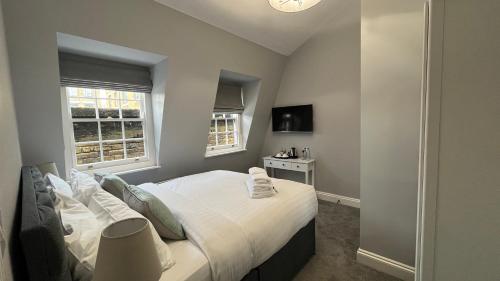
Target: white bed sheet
column 216, row 210
column 190, row 263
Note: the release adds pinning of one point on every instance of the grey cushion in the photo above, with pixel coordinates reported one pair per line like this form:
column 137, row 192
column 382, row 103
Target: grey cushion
column 98, row 176
column 113, row 184
column 153, row 209
column 44, row 199
column 41, row 233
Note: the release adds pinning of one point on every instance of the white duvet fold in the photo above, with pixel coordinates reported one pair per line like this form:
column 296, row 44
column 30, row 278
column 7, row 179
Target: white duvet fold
column 235, row 232
column 223, row 242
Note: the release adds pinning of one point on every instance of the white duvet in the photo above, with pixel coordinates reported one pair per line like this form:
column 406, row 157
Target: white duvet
column 236, row 233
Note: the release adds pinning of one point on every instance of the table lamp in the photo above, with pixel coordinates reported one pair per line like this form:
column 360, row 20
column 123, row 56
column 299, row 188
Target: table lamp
column 48, row 167
column 127, row 253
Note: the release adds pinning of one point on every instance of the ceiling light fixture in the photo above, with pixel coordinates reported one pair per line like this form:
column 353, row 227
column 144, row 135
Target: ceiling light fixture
column 292, row 6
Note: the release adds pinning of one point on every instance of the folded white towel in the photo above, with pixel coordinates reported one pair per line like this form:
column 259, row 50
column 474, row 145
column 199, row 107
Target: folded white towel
column 259, row 191
column 262, row 187
column 261, row 178
column 256, row 170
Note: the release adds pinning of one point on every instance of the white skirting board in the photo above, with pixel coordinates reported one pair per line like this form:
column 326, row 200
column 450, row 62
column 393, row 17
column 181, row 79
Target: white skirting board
column 386, row 265
column 330, row 197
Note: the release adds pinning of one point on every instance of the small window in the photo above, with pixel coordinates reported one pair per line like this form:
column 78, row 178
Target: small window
column 108, row 127
column 225, row 132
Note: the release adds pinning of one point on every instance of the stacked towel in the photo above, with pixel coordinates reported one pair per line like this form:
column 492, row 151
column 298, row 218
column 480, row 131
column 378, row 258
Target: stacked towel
column 256, row 170
column 259, row 185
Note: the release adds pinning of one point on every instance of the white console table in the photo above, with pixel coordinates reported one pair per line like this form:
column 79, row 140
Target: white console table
column 299, row 165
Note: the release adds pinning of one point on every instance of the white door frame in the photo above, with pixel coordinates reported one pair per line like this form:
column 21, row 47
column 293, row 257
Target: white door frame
column 429, row 140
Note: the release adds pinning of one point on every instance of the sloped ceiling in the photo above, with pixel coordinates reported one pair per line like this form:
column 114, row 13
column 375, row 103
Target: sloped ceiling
column 257, row 21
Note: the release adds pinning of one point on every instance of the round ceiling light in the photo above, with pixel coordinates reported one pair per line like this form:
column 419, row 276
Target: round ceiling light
column 292, row 6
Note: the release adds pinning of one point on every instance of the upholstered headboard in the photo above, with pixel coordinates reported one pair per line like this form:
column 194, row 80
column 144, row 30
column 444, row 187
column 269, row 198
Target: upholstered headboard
column 41, row 233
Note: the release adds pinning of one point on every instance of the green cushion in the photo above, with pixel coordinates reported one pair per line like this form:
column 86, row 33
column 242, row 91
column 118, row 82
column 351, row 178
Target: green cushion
column 114, row 185
column 152, row 208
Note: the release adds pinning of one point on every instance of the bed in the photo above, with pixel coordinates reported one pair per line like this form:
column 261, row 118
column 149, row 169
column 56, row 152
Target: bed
column 231, row 237
column 190, row 263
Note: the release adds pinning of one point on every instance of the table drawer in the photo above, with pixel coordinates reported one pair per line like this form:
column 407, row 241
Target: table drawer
column 281, row 165
column 269, row 163
column 299, row 166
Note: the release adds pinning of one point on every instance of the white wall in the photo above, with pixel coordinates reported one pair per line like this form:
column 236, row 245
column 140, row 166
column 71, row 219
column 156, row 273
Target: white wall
column 467, row 245
column 10, row 168
column 325, row 72
column 391, row 67
column 196, row 54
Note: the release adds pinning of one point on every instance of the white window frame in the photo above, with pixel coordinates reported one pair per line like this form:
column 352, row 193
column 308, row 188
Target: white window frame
column 227, row 148
column 115, row 166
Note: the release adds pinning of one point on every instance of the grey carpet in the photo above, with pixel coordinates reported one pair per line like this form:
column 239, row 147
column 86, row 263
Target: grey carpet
column 337, row 240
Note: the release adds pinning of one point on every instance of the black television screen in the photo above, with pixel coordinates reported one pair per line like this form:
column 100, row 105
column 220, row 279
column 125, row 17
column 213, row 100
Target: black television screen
column 293, row 118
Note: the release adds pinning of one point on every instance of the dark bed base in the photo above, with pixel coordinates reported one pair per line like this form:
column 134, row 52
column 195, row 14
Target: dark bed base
column 289, row 260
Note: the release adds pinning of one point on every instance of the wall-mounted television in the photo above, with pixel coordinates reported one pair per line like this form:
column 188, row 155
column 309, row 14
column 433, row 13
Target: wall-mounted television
column 293, row 119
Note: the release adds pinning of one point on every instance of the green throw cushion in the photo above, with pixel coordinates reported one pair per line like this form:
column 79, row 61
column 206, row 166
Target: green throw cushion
column 113, row 184
column 153, row 209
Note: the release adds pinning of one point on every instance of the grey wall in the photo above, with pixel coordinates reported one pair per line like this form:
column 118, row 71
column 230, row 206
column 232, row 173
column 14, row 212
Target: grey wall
column 10, row 154
column 325, row 72
column 196, row 53
column 467, row 245
column 391, row 66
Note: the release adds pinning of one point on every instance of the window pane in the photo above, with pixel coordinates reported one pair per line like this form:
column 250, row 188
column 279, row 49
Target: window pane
column 88, row 153
column 132, row 96
column 230, row 124
column 108, row 108
column 111, row 130
column 221, row 126
column 108, row 94
column 212, row 126
column 112, row 151
column 80, row 92
column 230, row 138
column 221, row 138
column 85, row 131
column 131, row 109
column 211, row 140
column 133, row 130
column 135, row 149
column 109, row 113
column 218, row 115
column 82, row 108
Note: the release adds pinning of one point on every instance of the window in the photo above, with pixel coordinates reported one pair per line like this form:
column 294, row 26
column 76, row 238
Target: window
column 108, row 127
column 225, row 132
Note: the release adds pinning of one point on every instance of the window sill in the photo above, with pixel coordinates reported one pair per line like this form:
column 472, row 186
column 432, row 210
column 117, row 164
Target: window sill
column 138, row 170
column 222, row 152
column 126, row 169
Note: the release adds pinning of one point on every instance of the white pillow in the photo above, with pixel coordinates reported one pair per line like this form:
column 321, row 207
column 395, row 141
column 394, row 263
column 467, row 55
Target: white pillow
column 109, row 209
column 83, row 229
column 59, row 184
column 83, row 186
column 85, row 225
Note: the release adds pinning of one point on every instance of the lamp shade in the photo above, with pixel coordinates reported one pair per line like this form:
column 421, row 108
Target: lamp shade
column 127, row 253
column 292, row 6
column 49, row 167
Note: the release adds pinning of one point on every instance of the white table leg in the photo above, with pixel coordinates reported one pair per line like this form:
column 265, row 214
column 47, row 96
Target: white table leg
column 307, row 177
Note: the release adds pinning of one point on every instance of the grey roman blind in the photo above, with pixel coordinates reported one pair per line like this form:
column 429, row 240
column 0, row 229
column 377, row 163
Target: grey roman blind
column 229, row 99
column 88, row 72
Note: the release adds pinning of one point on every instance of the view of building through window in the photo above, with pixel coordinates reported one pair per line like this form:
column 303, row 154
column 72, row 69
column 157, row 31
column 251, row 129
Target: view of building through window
column 107, row 125
column 224, row 131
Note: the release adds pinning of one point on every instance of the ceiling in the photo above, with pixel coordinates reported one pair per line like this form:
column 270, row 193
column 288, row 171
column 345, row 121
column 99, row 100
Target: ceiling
column 257, row 21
